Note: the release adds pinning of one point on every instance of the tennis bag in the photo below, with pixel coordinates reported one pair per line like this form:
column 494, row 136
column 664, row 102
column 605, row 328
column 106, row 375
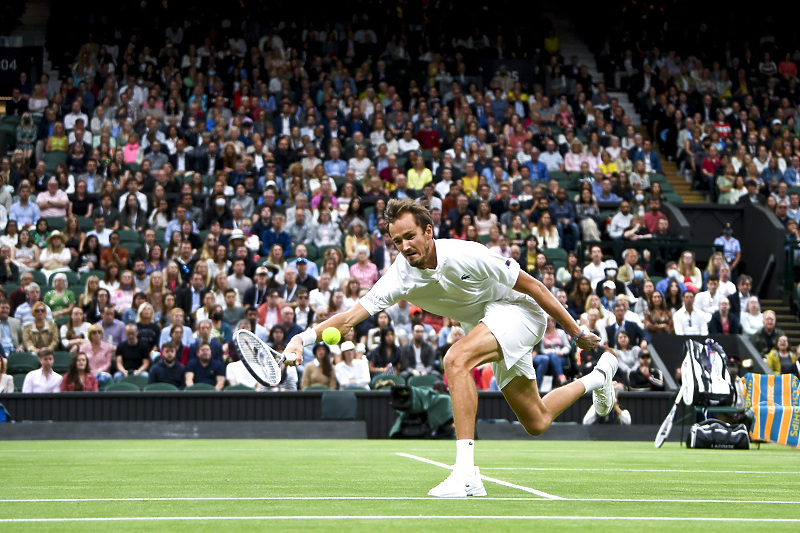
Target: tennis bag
column 713, row 433
column 706, row 380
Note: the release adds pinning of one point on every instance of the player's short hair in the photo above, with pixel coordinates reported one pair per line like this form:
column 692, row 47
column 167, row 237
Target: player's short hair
column 397, row 208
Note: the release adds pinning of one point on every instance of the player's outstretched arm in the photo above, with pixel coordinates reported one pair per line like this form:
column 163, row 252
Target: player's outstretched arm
column 342, row 321
column 534, row 288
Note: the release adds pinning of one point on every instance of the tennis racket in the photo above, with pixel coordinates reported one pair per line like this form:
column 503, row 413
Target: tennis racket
column 666, row 426
column 258, row 358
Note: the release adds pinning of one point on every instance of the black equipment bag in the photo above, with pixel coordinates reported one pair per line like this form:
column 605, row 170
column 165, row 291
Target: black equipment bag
column 713, row 433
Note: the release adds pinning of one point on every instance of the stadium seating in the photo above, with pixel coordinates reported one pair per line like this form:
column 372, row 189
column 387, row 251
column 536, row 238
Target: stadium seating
column 19, row 380
column 200, row 387
column 398, row 380
column 61, row 362
column 426, row 380
column 138, row 381
column 122, row 387
column 160, row 387
column 22, row 362
column 238, row 388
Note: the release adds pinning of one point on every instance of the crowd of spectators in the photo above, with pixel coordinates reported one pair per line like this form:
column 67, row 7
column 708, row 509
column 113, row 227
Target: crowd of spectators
column 236, row 178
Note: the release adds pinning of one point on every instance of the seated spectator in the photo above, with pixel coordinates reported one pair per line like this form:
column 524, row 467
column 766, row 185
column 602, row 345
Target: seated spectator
column 167, row 369
column 100, row 354
column 689, row 273
column 627, row 356
column 352, row 372
column 637, row 336
column 708, row 301
column 764, row 341
column 364, row 270
column 204, row 369
column 43, row 379
column 133, row 355
column 41, row 334
column 417, row 357
column 781, row 359
column 723, row 321
column 751, row 318
column 673, row 296
column 553, row 355
column 320, row 371
column 688, row 320
column 79, row 378
column 645, row 377
column 384, row 357
column 657, row 318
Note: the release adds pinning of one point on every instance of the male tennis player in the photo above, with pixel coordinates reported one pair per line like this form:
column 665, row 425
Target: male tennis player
column 501, row 306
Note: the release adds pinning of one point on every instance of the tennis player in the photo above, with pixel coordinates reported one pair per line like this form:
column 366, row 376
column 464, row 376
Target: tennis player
column 501, row 306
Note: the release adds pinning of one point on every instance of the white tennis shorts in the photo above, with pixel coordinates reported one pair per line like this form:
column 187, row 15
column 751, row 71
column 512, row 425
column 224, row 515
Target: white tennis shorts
column 518, row 327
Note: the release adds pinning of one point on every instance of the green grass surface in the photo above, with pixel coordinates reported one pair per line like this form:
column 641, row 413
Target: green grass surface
column 248, row 485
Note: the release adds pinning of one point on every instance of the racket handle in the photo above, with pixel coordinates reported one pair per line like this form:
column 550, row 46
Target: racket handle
column 288, row 357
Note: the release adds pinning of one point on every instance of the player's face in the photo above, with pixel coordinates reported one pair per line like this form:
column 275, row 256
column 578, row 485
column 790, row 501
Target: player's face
column 414, row 243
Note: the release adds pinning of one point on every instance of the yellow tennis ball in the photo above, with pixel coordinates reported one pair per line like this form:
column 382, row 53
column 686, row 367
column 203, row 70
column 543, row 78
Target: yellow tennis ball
column 331, row 336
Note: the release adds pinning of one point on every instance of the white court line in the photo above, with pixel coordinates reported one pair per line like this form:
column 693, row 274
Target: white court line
column 386, row 498
column 666, row 470
column 393, row 517
column 493, row 480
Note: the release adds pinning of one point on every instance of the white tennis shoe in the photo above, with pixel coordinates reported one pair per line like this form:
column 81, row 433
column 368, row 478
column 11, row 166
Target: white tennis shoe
column 458, row 485
column 603, row 398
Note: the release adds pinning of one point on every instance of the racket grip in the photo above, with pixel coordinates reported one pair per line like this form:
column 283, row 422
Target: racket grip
column 289, row 357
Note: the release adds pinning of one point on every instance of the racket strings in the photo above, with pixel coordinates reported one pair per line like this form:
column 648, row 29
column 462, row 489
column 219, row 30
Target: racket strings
column 259, row 360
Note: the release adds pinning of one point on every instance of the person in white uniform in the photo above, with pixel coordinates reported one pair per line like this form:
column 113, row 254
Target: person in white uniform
column 501, row 306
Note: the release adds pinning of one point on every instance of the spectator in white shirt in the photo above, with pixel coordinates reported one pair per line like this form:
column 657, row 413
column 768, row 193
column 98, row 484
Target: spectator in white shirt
column 43, row 379
column 596, row 270
column 688, row 320
column 708, row 301
column 351, row 372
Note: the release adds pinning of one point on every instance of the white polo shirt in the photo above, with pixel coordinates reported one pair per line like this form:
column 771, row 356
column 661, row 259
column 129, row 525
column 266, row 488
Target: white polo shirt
column 467, row 278
column 36, row 381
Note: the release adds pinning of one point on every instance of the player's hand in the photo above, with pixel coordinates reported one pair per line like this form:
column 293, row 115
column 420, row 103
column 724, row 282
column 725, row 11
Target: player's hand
column 587, row 340
column 295, row 347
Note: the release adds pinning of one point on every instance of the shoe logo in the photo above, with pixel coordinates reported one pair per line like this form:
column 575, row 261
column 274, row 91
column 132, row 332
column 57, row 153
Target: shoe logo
column 465, row 277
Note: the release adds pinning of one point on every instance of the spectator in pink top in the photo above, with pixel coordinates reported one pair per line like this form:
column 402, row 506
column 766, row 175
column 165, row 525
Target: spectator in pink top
column 364, row 270
column 100, row 354
column 53, row 202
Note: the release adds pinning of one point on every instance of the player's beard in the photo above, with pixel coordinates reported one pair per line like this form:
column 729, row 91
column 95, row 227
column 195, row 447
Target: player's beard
column 419, row 259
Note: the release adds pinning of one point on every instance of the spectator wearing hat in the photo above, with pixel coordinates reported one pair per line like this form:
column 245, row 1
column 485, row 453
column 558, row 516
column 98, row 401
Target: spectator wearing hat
column 610, row 271
column 304, row 278
column 257, row 294
column 56, row 257
column 351, row 372
column 645, row 377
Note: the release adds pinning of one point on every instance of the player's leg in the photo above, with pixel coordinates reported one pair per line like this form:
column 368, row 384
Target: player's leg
column 477, row 347
column 536, row 413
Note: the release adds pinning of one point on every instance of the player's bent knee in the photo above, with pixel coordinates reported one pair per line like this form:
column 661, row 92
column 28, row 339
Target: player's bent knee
column 536, row 425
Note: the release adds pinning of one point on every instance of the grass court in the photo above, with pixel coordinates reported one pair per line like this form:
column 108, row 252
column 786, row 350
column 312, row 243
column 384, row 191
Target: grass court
column 367, row 485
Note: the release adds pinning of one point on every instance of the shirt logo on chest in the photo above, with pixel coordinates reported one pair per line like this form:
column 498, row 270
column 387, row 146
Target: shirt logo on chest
column 465, row 277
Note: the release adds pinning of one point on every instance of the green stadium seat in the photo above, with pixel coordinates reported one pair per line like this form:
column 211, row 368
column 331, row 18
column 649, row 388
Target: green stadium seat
column 62, row 320
column 10, row 287
column 200, row 387
column 122, row 387
column 657, row 178
column 22, row 362
column 19, row 380
column 239, row 388
column 559, row 176
column 398, row 380
column 339, row 405
column 313, row 252
column 52, row 159
column 556, row 255
column 129, row 235
column 61, row 362
column 40, row 279
column 673, row 198
column 317, row 387
column 160, row 387
column 484, row 239
column 86, row 223
column 56, row 223
column 426, row 380
column 139, row 381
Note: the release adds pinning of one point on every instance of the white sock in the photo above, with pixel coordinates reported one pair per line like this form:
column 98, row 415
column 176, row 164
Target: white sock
column 465, row 456
column 593, row 380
